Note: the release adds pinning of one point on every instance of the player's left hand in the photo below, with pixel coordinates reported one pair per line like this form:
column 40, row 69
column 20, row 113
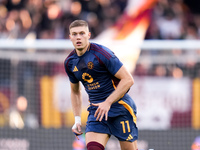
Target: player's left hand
column 102, row 110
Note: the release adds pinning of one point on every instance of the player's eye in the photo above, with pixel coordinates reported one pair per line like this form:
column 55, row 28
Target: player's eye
column 82, row 33
column 74, row 34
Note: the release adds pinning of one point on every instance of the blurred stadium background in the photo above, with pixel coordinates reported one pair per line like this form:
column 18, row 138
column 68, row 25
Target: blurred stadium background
column 158, row 40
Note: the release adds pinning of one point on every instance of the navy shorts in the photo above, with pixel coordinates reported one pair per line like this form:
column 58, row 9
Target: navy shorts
column 122, row 126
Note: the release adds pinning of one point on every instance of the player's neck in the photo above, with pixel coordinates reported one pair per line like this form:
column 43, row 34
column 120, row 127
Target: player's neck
column 80, row 52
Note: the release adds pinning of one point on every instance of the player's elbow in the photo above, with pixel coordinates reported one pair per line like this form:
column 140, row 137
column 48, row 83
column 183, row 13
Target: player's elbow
column 130, row 81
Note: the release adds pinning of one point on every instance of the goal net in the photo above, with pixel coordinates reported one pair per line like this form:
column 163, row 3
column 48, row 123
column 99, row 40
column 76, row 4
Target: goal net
column 35, row 107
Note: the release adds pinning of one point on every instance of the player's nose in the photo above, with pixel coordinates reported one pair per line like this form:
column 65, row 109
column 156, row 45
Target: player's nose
column 78, row 36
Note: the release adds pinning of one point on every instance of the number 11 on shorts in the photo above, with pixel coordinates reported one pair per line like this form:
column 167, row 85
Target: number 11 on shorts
column 123, row 126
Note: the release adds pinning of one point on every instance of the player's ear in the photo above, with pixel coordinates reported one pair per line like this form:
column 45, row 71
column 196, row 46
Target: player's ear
column 89, row 35
column 69, row 36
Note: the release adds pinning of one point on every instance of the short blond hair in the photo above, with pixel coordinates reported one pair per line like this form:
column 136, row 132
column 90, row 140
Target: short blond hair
column 78, row 23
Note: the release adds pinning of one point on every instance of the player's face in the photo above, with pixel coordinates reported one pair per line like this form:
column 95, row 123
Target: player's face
column 80, row 37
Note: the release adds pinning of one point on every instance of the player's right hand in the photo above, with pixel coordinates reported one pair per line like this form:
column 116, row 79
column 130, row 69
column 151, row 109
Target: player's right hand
column 76, row 129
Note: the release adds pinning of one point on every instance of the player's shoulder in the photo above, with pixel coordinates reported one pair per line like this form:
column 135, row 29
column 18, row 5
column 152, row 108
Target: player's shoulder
column 99, row 49
column 70, row 56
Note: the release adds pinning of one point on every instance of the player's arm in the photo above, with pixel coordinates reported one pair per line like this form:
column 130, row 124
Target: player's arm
column 126, row 81
column 76, row 100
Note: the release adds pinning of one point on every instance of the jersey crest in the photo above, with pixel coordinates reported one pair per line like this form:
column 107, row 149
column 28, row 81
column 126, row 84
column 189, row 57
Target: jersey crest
column 90, row 65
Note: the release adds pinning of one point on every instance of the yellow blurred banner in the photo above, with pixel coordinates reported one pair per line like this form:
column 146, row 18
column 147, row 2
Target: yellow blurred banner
column 50, row 117
column 196, row 104
column 54, row 113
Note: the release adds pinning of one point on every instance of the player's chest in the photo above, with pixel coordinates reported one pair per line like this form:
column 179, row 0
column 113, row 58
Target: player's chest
column 88, row 67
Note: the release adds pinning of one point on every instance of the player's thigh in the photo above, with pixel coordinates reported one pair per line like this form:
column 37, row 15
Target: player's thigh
column 101, row 138
column 125, row 145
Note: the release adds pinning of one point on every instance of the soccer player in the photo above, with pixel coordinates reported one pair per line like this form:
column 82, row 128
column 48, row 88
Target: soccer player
column 107, row 82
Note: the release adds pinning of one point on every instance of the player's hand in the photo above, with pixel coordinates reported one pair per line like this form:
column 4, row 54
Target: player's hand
column 77, row 130
column 102, row 110
column 77, row 127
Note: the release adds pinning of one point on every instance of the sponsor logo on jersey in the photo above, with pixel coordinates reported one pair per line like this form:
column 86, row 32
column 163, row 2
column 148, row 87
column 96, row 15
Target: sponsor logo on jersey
column 87, row 77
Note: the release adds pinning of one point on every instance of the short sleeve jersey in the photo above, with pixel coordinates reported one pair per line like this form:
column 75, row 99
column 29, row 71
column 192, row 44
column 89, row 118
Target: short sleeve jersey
column 95, row 69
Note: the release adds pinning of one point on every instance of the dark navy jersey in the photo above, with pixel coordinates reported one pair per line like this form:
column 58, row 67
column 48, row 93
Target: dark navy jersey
column 96, row 69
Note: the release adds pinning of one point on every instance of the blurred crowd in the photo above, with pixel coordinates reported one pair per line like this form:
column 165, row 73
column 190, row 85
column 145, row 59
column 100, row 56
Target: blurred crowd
column 49, row 19
column 175, row 19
